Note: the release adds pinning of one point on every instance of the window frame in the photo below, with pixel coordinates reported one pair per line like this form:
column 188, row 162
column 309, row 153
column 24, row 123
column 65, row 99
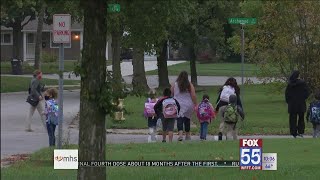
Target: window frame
column 2, row 38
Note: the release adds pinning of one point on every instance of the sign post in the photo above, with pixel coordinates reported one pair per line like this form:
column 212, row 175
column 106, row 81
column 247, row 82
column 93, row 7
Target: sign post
column 61, row 34
column 242, row 22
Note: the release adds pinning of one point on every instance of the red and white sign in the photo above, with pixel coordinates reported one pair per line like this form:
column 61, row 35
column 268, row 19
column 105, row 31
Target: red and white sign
column 61, row 28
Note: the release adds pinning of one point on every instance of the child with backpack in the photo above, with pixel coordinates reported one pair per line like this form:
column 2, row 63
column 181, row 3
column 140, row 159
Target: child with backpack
column 51, row 113
column 205, row 114
column 168, row 109
column 231, row 114
column 230, row 87
column 313, row 115
column 150, row 114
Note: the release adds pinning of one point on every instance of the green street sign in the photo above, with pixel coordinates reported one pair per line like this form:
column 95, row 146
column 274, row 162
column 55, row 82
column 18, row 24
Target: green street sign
column 242, row 20
column 113, row 7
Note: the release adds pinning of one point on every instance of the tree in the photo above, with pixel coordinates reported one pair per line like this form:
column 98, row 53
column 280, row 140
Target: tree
column 39, row 35
column 287, row 37
column 95, row 91
column 202, row 20
column 17, row 14
column 116, row 29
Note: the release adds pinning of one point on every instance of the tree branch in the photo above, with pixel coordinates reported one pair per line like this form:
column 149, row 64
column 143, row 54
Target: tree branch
column 31, row 17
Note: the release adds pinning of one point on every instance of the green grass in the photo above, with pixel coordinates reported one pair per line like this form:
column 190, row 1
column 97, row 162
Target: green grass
column 212, row 69
column 300, row 162
column 266, row 112
column 17, row 84
column 46, row 68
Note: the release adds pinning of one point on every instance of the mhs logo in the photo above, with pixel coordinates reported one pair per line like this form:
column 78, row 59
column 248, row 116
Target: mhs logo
column 66, row 159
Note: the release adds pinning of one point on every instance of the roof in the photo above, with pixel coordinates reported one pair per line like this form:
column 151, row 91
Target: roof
column 32, row 26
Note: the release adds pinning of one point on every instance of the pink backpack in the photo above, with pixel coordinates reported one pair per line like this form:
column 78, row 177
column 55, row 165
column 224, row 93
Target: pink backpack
column 205, row 111
column 149, row 108
column 169, row 108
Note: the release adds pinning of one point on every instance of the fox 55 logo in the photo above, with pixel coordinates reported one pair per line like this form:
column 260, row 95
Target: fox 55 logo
column 250, row 154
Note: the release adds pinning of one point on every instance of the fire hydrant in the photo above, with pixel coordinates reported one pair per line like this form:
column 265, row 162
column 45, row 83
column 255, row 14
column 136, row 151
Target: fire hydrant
column 119, row 114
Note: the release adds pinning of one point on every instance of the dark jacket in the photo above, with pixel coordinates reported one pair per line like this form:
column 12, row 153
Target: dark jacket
column 296, row 94
column 222, row 103
column 35, row 89
column 158, row 107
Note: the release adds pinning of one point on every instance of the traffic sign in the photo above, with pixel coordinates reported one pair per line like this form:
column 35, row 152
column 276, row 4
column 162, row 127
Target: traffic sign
column 61, row 28
column 242, row 20
column 114, row 7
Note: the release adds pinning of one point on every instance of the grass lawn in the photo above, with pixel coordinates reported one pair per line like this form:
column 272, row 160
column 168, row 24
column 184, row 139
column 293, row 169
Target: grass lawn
column 212, row 69
column 46, row 68
column 266, row 112
column 17, row 84
column 298, row 163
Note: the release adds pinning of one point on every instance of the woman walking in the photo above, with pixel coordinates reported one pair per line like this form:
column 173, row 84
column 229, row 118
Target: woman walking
column 296, row 94
column 183, row 91
column 230, row 87
column 34, row 99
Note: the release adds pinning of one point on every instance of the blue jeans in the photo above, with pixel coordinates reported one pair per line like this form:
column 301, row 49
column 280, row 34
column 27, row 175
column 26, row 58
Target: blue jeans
column 51, row 133
column 204, row 130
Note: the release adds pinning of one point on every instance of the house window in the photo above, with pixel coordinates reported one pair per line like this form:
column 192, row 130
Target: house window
column 6, row 38
column 56, row 45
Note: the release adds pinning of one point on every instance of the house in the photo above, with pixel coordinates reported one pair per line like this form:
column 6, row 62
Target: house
column 71, row 52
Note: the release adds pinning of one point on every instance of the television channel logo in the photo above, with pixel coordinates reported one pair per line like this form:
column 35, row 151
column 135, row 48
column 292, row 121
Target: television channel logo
column 250, row 154
column 65, row 159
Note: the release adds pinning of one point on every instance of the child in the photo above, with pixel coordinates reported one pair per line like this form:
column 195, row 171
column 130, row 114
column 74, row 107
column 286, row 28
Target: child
column 149, row 113
column 230, row 114
column 168, row 109
column 313, row 115
column 51, row 112
column 205, row 113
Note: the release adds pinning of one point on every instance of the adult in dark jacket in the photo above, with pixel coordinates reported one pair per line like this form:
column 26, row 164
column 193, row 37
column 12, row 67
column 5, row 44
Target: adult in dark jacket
column 35, row 89
column 296, row 94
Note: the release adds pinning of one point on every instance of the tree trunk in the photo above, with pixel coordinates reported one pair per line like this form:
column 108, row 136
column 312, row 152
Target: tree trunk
column 193, row 68
column 17, row 40
column 116, row 66
column 163, row 67
column 38, row 45
column 92, row 132
column 139, row 80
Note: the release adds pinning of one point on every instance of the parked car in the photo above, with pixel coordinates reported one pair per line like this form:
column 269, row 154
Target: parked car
column 126, row 54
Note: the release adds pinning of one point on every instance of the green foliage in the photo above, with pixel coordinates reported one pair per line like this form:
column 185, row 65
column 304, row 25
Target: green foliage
column 17, row 11
column 286, row 37
column 49, row 58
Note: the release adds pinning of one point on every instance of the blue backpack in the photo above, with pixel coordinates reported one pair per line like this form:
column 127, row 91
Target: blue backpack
column 52, row 110
column 315, row 112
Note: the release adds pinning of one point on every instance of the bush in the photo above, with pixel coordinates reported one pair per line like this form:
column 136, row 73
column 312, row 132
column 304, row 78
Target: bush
column 49, row 58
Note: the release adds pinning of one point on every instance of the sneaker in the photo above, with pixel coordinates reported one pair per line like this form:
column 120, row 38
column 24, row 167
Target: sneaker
column 300, row 135
column 294, row 136
column 164, row 141
column 180, row 139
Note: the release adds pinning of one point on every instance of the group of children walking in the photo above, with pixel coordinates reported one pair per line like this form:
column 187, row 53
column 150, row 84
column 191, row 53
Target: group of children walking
column 166, row 109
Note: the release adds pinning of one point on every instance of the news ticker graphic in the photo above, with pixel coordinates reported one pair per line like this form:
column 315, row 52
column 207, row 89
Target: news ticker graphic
column 209, row 164
column 252, row 158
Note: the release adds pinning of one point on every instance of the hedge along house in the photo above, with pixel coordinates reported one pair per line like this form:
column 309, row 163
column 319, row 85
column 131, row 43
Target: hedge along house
column 72, row 51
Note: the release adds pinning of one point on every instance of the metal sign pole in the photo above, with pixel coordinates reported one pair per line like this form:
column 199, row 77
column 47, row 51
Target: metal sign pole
column 61, row 69
column 242, row 59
